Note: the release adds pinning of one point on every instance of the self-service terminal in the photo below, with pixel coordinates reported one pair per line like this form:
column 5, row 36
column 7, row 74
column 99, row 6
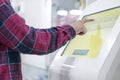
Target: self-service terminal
column 95, row 55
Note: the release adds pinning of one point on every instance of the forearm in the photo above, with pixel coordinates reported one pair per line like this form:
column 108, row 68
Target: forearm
column 53, row 38
column 15, row 34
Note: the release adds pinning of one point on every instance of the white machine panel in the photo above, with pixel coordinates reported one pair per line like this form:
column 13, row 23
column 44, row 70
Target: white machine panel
column 94, row 56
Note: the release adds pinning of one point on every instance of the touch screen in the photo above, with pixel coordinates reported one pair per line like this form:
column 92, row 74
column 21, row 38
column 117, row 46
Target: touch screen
column 89, row 45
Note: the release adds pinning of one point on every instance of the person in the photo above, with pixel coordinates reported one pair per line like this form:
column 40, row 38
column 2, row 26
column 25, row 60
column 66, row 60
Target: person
column 16, row 37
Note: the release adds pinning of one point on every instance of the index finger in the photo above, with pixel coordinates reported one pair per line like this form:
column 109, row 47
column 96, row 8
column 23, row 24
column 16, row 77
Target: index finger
column 87, row 20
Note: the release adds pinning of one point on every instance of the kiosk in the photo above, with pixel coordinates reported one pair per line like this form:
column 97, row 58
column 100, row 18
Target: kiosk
column 96, row 55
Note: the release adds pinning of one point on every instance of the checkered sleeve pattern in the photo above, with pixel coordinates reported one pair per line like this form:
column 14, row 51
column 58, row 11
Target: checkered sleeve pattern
column 18, row 36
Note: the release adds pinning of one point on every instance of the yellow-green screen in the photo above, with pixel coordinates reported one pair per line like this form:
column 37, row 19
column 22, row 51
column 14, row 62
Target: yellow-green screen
column 89, row 45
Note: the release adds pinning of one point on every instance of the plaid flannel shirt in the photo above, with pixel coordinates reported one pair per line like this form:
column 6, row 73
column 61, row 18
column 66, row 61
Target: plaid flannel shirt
column 16, row 37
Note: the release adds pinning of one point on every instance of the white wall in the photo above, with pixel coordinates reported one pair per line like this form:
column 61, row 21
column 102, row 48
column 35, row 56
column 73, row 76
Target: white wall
column 88, row 2
column 37, row 13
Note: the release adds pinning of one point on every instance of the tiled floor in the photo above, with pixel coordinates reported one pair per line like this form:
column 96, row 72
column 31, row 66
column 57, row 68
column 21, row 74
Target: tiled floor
column 34, row 73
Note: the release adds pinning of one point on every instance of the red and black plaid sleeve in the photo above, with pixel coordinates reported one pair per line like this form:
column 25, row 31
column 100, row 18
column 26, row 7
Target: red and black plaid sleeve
column 16, row 35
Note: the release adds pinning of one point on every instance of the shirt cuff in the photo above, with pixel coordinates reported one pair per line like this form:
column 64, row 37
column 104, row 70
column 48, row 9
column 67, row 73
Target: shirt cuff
column 71, row 31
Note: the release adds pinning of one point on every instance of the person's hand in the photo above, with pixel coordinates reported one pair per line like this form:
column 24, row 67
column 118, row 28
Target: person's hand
column 79, row 27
